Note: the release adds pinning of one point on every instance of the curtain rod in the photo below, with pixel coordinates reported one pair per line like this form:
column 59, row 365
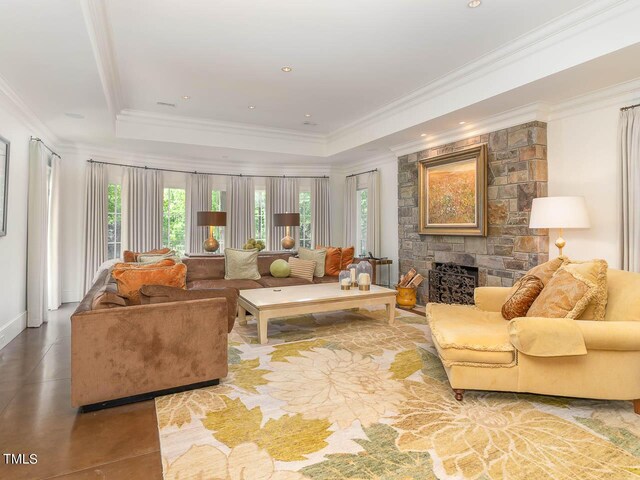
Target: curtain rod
column 361, row 173
column 630, row 107
column 91, row 160
column 36, row 139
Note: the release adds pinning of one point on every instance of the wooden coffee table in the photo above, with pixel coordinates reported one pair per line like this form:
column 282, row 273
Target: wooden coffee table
column 268, row 303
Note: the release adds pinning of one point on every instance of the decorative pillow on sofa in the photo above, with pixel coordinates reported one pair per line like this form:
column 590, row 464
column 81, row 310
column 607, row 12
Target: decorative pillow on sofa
column 130, row 280
column 156, row 257
column 571, row 289
column 106, row 298
column 333, row 261
column 545, row 270
column 522, row 296
column 302, row 268
column 129, row 256
column 319, row 256
column 280, row 268
column 241, row 264
column 347, row 257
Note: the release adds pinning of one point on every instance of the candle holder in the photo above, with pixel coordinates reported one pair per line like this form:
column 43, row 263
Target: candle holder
column 352, row 269
column 364, row 274
column 344, row 279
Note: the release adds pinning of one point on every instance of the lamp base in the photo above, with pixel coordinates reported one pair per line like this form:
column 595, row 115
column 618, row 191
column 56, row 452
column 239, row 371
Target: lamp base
column 210, row 245
column 287, row 242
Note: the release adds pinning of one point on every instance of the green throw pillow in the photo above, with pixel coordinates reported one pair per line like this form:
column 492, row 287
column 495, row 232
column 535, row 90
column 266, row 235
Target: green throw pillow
column 280, row 268
column 241, row 264
column 317, row 256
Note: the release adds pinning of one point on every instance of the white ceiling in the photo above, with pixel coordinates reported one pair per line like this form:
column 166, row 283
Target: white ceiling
column 351, row 60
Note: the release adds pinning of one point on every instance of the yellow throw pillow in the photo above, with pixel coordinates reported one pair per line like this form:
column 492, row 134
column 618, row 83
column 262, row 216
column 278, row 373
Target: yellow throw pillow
column 302, row 268
column 570, row 290
column 522, row 297
column 130, row 280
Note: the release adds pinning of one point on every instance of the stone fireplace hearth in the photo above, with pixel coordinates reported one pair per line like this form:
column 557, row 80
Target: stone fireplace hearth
column 517, row 174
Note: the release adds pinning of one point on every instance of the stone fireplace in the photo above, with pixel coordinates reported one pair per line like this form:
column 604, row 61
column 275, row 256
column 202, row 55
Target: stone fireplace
column 517, row 174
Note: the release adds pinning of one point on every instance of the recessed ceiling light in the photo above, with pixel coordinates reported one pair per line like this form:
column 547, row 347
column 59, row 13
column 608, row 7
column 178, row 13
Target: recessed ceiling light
column 307, row 115
column 474, row 3
column 74, row 115
column 252, row 107
column 186, row 97
column 462, row 123
column 423, row 134
column 286, row 69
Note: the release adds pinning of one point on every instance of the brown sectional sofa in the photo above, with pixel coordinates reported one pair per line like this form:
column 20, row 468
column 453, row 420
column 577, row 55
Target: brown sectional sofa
column 174, row 341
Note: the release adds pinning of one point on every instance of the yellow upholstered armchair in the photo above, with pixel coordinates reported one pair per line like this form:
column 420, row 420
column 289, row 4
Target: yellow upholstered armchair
column 480, row 350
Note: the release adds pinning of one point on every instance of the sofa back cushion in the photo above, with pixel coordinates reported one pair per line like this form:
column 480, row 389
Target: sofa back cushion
column 209, row 268
column 623, row 302
column 130, row 280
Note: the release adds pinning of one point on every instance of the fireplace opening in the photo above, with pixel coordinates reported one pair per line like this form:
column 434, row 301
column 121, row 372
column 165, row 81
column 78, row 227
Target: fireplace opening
column 452, row 283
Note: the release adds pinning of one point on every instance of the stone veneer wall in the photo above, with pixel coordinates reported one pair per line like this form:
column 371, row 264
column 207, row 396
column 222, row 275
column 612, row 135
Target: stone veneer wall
column 517, row 174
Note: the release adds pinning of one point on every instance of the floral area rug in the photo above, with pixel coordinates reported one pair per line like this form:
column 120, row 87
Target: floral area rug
column 346, row 396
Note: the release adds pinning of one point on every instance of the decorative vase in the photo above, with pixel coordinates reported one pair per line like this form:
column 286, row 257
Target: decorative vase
column 406, row 297
column 344, row 279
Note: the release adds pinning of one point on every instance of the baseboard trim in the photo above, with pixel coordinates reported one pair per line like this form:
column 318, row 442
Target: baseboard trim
column 12, row 329
column 145, row 396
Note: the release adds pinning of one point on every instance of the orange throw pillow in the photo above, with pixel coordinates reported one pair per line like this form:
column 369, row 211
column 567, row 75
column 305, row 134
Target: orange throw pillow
column 347, row 257
column 130, row 280
column 332, row 262
column 129, row 256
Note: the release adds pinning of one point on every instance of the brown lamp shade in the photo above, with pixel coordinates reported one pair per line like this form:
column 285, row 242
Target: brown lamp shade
column 286, row 219
column 212, row 219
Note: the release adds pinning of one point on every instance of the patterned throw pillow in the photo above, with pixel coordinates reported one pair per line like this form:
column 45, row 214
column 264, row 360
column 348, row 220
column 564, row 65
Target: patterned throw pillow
column 527, row 290
column 302, row 268
column 319, row 255
column 241, row 264
column 545, row 270
column 130, row 280
column 571, row 289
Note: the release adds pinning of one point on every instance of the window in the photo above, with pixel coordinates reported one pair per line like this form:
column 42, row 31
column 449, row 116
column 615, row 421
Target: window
column 361, row 233
column 218, row 204
column 260, row 215
column 114, row 222
column 305, row 219
column 174, row 215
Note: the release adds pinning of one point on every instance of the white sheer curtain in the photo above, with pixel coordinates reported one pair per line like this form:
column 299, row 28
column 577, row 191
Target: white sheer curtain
column 282, row 196
column 240, row 211
column 54, row 297
column 37, row 234
column 630, row 160
column 142, row 196
column 95, row 215
column 198, row 200
column 373, row 213
column 350, row 211
column 320, row 212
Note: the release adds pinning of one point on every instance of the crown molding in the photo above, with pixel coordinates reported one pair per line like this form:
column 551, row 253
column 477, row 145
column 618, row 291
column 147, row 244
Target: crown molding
column 616, row 95
column 17, row 105
column 510, row 118
column 99, row 31
column 142, row 125
column 432, row 101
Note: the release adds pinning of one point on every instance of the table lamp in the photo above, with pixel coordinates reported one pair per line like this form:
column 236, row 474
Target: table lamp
column 211, row 219
column 287, row 220
column 560, row 213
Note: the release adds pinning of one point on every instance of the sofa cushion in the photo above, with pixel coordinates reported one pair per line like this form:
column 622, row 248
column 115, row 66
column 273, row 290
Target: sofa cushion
column 270, row 282
column 333, row 260
column 466, row 335
column 347, row 257
column 623, row 301
column 222, row 283
column 241, row 264
column 319, row 256
column 151, row 294
column 325, row 279
column 129, row 256
column 201, row 268
column 130, row 280
column 108, row 298
column 302, row 268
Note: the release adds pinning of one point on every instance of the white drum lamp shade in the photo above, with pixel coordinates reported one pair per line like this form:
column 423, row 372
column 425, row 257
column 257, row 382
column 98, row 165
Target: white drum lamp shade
column 560, row 213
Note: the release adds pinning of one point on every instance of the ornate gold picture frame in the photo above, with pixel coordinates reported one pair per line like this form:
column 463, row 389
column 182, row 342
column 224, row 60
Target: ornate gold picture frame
column 453, row 193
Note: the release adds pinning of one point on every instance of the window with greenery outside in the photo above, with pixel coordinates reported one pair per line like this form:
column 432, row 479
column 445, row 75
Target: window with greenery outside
column 260, row 215
column 174, row 219
column 218, row 204
column 114, row 221
column 361, row 233
column 305, row 219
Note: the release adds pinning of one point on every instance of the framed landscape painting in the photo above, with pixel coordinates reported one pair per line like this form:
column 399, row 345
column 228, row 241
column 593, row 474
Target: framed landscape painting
column 4, row 184
column 453, row 191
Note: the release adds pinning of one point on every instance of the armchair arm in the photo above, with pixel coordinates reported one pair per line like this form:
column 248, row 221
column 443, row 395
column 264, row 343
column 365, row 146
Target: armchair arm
column 616, row 336
column 490, row 299
column 546, row 337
